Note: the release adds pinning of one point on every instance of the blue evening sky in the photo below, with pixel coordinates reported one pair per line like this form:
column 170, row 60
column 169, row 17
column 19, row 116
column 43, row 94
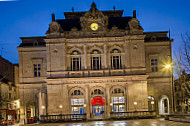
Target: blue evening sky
column 32, row 17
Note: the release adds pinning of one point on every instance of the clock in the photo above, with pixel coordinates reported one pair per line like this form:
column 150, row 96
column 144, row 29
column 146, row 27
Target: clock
column 94, row 26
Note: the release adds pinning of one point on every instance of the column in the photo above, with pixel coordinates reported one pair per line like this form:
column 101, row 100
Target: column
column 87, row 102
column 105, row 52
column 107, row 101
column 84, row 47
column 66, row 100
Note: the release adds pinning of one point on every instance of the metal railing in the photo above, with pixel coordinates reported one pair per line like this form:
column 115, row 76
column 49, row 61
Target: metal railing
column 131, row 115
column 62, row 118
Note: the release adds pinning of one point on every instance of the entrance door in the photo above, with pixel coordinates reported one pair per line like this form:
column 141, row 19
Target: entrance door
column 98, row 110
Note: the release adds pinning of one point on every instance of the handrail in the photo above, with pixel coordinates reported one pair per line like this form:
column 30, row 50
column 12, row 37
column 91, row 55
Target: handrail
column 133, row 114
column 63, row 117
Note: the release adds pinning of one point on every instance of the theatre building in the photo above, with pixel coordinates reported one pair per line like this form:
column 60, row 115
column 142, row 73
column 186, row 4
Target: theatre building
column 95, row 62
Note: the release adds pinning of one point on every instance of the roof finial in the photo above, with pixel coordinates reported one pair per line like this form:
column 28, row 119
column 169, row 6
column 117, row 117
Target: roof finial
column 73, row 9
column 93, row 5
column 53, row 17
column 114, row 7
column 134, row 14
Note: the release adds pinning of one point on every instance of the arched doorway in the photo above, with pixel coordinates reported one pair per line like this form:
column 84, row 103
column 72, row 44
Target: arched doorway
column 30, row 109
column 77, row 101
column 118, row 100
column 151, row 103
column 163, row 105
column 97, row 103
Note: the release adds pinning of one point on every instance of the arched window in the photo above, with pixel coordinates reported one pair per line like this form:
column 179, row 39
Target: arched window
column 77, row 92
column 75, row 60
column 97, row 92
column 118, row 100
column 77, row 102
column 96, row 60
column 116, row 59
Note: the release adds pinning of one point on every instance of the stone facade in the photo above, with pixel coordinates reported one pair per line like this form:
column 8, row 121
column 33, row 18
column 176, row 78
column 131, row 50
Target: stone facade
column 9, row 93
column 90, row 54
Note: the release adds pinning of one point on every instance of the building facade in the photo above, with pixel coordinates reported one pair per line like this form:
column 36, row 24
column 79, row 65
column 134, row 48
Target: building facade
column 182, row 93
column 95, row 62
column 9, row 93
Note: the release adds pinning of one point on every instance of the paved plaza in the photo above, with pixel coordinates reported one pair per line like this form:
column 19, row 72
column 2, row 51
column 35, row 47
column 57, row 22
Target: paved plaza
column 139, row 122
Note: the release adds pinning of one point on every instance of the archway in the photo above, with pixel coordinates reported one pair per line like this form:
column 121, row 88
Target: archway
column 163, row 105
column 97, row 103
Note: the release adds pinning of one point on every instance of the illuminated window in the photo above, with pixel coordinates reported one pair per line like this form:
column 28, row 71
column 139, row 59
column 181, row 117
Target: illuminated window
column 77, row 101
column 118, row 100
column 37, row 70
column 154, row 65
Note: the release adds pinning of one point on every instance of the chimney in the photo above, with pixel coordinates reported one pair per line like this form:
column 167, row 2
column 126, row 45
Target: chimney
column 53, row 17
column 134, row 14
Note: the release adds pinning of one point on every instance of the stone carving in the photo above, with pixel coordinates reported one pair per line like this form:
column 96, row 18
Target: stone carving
column 94, row 16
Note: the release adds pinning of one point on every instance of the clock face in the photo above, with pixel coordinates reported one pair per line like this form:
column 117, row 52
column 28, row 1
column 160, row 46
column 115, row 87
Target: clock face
column 94, row 26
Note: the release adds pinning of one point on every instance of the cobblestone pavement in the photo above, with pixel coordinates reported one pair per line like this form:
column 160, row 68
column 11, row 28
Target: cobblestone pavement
column 139, row 122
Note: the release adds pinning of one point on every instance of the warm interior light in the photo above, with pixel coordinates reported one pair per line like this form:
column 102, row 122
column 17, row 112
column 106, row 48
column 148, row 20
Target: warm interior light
column 60, row 106
column 152, row 102
column 111, row 104
column 84, row 105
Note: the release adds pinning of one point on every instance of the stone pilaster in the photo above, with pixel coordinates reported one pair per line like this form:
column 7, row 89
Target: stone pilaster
column 84, row 48
column 107, row 101
column 105, row 52
column 87, row 102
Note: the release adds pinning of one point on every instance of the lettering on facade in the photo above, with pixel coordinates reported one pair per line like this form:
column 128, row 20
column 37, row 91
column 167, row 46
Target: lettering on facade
column 95, row 81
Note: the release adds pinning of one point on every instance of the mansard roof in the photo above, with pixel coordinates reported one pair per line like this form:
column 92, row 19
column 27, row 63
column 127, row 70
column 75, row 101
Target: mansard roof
column 68, row 24
column 77, row 15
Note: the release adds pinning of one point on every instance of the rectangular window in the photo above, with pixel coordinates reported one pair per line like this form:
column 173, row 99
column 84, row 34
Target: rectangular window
column 75, row 64
column 37, row 70
column 116, row 62
column 77, row 101
column 118, row 100
column 154, row 65
column 96, row 63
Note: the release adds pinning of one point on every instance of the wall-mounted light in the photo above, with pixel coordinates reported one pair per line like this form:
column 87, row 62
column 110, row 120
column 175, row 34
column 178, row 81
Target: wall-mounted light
column 84, row 105
column 135, row 103
column 43, row 107
column 111, row 104
column 60, row 106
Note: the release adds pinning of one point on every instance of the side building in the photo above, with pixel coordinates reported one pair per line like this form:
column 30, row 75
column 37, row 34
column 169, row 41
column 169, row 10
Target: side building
column 9, row 93
column 95, row 62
